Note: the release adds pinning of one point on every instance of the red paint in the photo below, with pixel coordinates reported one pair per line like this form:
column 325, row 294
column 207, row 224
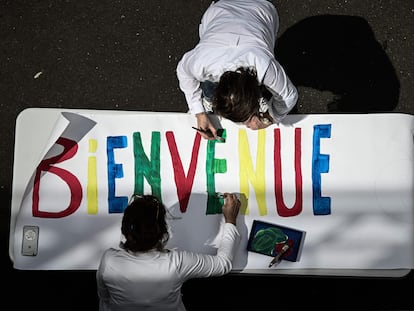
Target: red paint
column 183, row 184
column 282, row 209
column 70, row 148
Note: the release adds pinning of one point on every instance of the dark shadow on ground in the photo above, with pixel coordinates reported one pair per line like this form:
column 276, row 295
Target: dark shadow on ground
column 340, row 54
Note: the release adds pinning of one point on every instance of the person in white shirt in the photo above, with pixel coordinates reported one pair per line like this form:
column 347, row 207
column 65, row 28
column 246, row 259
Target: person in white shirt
column 142, row 274
column 232, row 71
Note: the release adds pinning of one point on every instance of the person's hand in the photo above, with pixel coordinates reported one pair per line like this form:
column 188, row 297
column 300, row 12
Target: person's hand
column 231, row 207
column 258, row 123
column 204, row 123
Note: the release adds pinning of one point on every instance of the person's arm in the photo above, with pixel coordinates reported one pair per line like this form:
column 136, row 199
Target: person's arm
column 194, row 265
column 190, row 86
column 103, row 293
column 229, row 241
column 284, row 93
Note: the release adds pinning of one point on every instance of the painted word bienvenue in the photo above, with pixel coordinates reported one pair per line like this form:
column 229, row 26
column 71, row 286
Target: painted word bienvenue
column 149, row 168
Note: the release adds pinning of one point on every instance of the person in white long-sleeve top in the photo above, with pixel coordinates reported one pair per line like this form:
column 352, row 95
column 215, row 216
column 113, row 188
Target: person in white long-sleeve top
column 232, row 71
column 142, row 274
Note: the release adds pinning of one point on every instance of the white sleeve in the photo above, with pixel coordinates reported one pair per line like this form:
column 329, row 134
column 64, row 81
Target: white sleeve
column 194, row 265
column 103, row 294
column 189, row 85
column 285, row 94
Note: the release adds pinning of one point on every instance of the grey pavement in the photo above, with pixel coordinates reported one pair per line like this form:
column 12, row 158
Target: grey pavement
column 345, row 56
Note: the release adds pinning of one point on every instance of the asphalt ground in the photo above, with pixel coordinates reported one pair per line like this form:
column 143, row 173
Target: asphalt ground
column 352, row 56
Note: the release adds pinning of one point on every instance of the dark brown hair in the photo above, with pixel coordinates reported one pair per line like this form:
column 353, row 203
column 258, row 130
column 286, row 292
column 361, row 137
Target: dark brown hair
column 237, row 95
column 143, row 224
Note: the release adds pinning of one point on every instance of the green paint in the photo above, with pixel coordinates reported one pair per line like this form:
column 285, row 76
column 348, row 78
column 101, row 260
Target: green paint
column 144, row 167
column 222, row 133
column 214, row 166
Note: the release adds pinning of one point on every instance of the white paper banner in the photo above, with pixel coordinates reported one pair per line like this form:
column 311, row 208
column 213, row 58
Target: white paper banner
column 346, row 180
